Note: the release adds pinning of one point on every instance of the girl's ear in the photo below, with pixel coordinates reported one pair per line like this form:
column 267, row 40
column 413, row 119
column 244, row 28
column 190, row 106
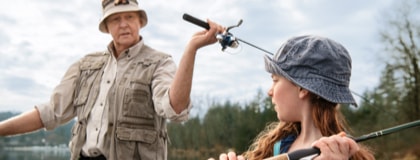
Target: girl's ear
column 303, row 92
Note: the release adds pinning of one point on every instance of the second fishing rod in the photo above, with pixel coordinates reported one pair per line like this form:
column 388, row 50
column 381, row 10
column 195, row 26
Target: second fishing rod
column 296, row 155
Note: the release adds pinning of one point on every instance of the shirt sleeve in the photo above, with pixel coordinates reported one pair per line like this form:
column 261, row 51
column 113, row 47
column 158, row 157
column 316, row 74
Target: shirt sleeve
column 162, row 79
column 59, row 109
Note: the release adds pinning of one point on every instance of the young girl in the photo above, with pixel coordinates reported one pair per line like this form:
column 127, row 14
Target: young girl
column 311, row 77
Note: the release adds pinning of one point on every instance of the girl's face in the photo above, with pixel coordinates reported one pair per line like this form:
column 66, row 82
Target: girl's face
column 285, row 97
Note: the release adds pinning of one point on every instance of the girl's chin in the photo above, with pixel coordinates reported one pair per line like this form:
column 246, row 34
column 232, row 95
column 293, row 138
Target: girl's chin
column 280, row 117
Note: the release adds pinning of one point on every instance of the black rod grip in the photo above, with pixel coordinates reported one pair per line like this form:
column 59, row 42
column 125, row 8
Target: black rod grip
column 195, row 21
column 296, row 155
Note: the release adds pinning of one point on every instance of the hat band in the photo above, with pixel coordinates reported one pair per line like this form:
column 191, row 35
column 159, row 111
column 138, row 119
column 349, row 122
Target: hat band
column 116, row 2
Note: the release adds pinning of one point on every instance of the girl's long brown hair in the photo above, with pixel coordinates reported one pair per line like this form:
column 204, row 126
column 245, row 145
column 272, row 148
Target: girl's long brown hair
column 327, row 118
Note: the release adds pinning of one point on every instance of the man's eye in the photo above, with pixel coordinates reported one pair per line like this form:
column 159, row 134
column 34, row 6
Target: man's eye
column 113, row 20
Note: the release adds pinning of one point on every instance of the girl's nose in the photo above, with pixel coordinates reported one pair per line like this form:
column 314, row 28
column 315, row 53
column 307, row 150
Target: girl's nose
column 270, row 92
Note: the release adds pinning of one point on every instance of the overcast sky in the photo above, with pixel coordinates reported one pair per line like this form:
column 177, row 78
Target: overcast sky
column 39, row 39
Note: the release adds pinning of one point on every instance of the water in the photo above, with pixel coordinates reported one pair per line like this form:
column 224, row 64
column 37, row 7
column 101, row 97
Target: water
column 35, row 153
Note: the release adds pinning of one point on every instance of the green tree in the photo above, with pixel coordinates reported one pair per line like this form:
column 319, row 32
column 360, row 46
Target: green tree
column 401, row 41
column 396, row 99
column 225, row 126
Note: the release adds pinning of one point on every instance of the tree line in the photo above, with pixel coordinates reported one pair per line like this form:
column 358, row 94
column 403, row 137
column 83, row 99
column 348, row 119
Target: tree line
column 231, row 126
column 225, row 126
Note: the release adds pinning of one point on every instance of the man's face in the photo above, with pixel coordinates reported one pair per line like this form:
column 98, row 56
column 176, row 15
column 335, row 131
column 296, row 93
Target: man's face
column 124, row 28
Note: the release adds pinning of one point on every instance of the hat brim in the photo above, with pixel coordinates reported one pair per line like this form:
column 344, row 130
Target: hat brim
column 329, row 91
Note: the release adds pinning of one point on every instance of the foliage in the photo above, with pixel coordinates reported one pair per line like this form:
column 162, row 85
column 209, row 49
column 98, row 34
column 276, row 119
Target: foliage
column 401, row 40
column 396, row 99
column 227, row 126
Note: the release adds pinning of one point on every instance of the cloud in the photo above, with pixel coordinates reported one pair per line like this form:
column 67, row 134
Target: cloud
column 41, row 39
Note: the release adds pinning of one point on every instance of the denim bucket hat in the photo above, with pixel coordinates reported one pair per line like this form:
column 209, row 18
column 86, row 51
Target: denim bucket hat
column 318, row 64
column 110, row 7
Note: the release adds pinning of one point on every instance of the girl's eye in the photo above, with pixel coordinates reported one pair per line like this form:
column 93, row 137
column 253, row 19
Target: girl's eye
column 275, row 78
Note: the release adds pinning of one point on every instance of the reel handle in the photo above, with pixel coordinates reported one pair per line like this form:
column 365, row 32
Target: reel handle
column 195, row 21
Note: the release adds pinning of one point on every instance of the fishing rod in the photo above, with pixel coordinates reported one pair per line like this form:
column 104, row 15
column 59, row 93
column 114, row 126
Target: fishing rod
column 312, row 151
column 226, row 39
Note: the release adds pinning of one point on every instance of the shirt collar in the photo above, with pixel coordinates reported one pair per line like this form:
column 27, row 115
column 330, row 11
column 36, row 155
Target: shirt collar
column 129, row 53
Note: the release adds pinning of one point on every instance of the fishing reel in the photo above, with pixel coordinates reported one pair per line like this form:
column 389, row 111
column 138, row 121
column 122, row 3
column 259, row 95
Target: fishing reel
column 226, row 39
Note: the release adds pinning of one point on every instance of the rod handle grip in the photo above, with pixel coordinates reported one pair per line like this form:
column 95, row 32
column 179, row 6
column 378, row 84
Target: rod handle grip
column 195, row 21
column 296, row 155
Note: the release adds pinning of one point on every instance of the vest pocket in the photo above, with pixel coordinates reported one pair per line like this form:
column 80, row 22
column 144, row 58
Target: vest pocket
column 76, row 136
column 138, row 144
column 89, row 73
column 141, row 135
column 138, row 101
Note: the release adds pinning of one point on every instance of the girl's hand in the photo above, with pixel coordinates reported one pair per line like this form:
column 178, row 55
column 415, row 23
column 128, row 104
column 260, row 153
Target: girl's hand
column 230, row 156
column 337, row 147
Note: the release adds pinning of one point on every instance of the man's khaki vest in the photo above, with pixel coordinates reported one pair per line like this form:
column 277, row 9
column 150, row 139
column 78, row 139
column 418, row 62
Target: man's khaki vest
column 134, row 131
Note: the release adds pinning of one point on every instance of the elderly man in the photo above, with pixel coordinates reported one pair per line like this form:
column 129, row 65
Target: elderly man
column 121, row 96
